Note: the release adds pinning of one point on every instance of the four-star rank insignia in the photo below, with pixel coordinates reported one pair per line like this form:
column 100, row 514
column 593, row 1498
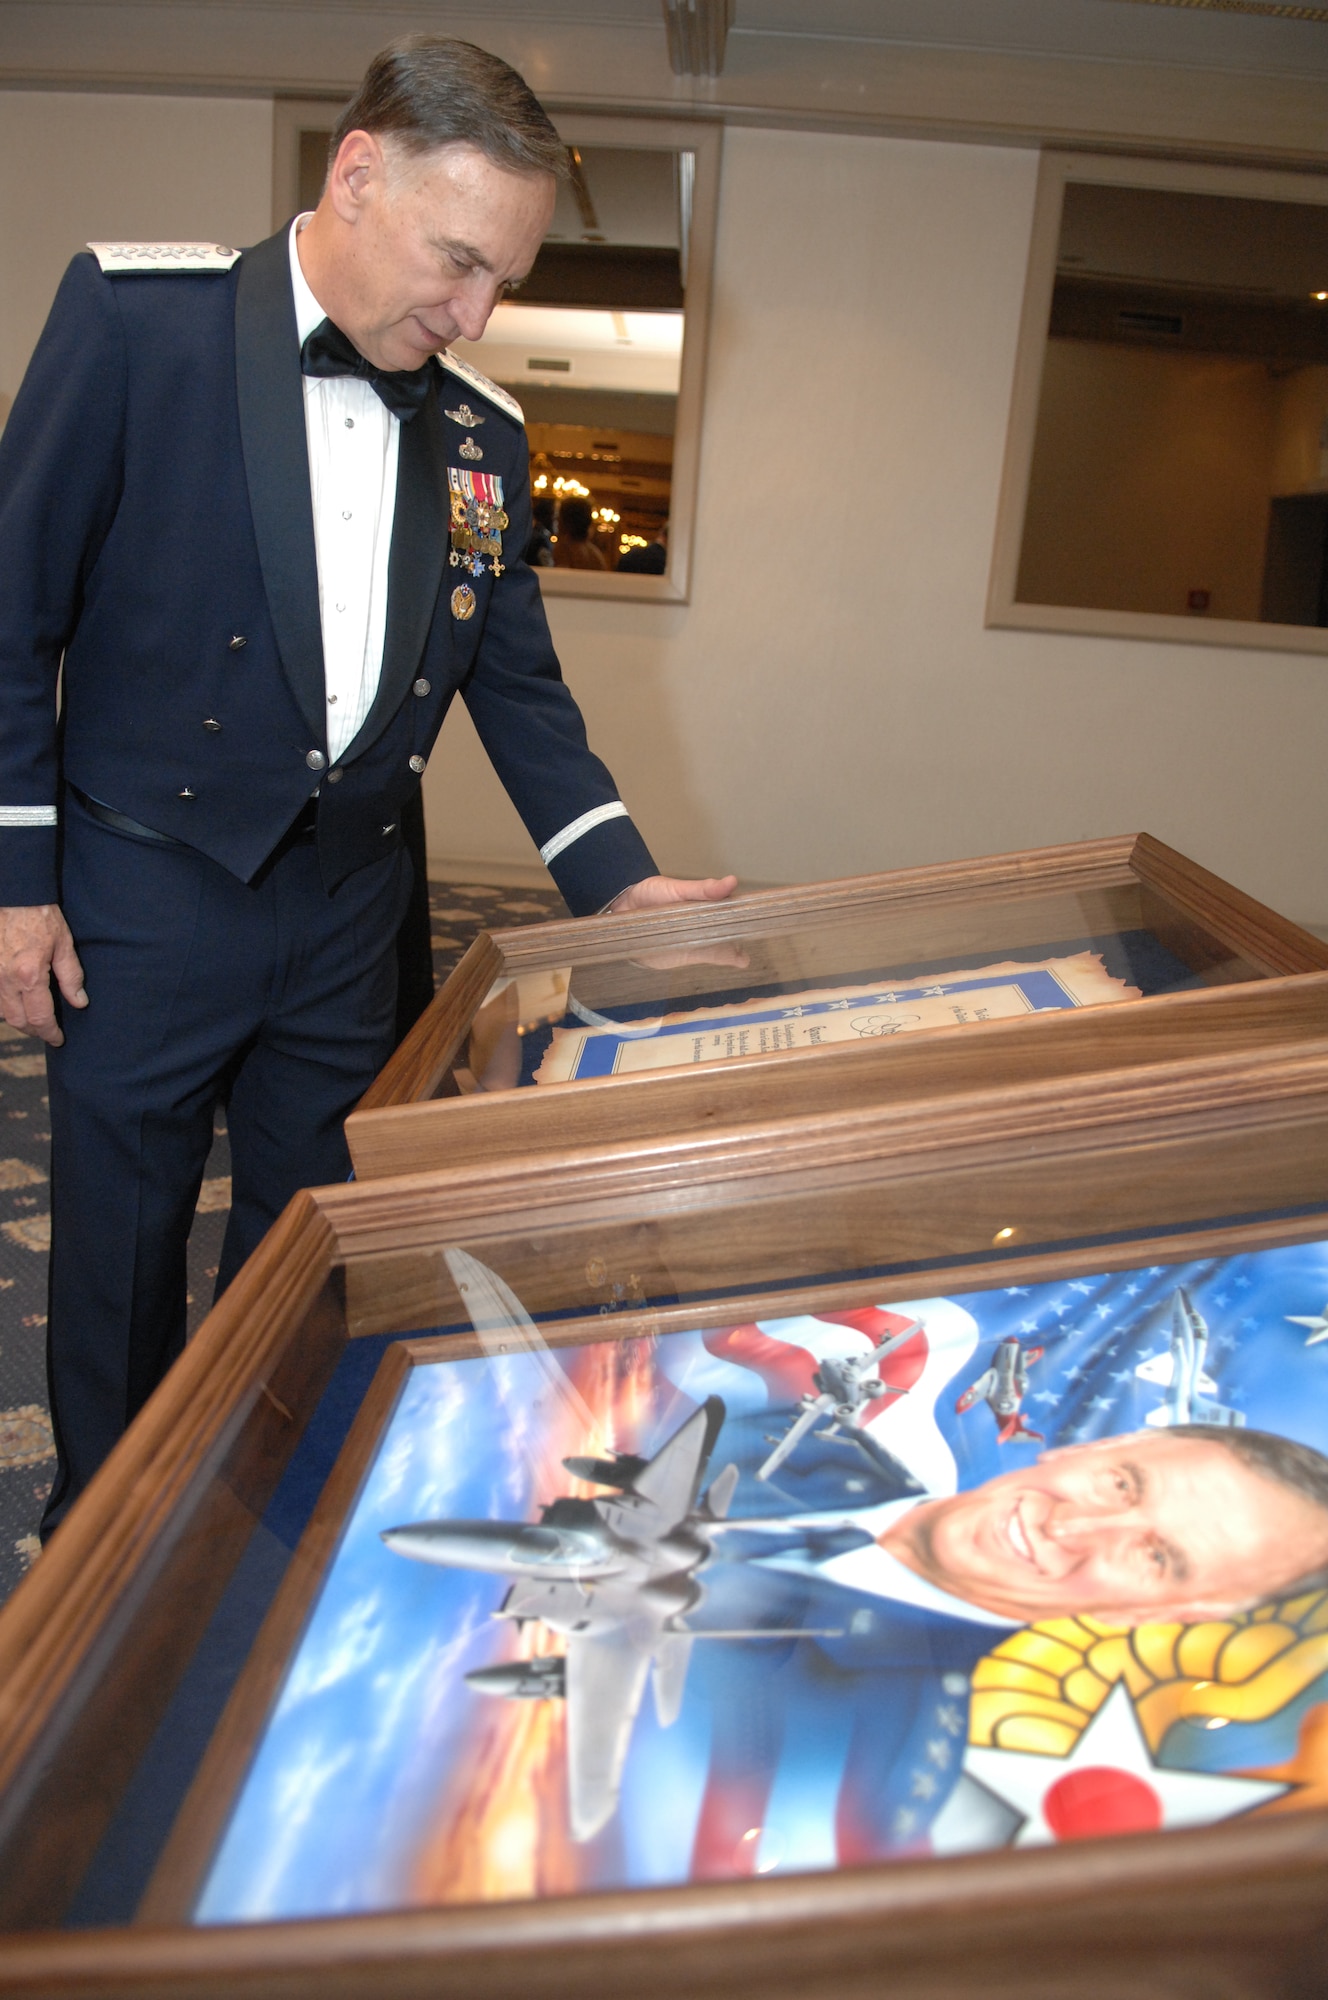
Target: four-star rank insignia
column 478, row 519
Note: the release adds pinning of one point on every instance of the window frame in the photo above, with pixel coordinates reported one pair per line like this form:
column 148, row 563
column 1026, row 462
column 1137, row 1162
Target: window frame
column 704, row 140
column 1004, row 609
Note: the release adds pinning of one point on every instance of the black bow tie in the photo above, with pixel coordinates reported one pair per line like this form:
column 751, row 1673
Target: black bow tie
column 327, row 351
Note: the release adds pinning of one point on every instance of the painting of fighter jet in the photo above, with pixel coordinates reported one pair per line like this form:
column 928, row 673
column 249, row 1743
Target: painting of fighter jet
column 1003, row 1388
column 845, row 1386
column 615, row 1576
column 1190, row 1392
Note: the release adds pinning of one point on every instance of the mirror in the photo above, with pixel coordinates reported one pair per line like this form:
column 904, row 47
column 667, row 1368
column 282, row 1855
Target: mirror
column 603, row 346
column 1167, row 473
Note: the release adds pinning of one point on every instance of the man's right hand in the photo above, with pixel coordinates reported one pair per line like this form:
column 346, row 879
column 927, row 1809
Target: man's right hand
column 35, row 942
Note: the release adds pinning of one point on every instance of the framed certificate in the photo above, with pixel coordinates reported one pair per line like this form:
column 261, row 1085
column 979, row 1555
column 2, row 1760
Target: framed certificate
column 814, row 1546
column 1058, row 961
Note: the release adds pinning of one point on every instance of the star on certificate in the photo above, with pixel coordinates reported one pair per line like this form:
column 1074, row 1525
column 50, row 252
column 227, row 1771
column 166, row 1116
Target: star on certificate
column 1318, row 1325
column 1108, row 1784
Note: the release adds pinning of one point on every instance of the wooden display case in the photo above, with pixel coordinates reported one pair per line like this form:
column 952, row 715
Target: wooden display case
column 818, row 998
column 144, row 1660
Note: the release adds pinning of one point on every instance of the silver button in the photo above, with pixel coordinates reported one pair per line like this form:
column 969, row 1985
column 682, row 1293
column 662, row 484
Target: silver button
column 211, row 724
column 390, row 829
column 332, row 701
column 417, row 765
column 341, row 607
column 335, row 777
column 421, row 687
column 187, row 793
column 344, row 515
column 315, row 760
column 237, row 643
column 350, row 423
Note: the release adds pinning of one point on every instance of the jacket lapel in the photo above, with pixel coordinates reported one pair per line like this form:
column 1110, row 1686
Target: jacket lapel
column 415, row 567
column 276, row 464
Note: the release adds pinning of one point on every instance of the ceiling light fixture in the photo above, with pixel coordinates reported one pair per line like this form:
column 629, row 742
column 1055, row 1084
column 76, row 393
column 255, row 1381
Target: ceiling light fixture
column 698, row 33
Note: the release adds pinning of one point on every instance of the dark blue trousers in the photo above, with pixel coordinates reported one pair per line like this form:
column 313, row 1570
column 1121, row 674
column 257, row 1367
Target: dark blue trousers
column 273, row 997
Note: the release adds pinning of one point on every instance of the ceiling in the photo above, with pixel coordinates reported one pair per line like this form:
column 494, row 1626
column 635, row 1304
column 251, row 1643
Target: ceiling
column 1233, row 78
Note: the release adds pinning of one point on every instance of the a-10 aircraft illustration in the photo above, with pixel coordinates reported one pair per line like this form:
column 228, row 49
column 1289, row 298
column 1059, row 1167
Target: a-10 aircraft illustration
column 845, row 1386
column 1180, row 1371
column 1003, row 1388
column 615, row 1575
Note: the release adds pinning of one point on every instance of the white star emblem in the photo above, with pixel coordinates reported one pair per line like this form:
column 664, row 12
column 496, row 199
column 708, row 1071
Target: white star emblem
column 1318, row 1325
column 1108, row 1784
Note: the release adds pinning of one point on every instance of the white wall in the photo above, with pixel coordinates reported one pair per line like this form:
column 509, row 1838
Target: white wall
column 829, row 702
column 81, row 165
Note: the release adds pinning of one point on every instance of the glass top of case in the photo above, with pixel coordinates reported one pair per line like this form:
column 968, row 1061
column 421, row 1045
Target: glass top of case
column 906, row 1576
column 838, row 980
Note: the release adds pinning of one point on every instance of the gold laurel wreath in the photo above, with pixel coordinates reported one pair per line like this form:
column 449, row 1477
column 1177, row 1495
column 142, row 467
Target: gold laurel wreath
column 1039, row 1689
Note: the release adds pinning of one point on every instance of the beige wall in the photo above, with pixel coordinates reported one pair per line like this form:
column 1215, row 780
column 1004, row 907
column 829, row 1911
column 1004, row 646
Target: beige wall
column 79, row 166
column 1150, row 478
column 829, row 702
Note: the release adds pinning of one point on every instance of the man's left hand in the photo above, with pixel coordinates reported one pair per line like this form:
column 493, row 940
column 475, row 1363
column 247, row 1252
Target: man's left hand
column 659, row 892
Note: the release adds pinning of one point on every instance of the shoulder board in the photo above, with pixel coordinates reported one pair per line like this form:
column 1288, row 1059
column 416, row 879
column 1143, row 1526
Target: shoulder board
column 115, row 257
column 474, row 380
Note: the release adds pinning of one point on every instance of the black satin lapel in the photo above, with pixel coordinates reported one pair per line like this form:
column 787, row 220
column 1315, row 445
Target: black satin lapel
column 276, row 465
column 415, row 567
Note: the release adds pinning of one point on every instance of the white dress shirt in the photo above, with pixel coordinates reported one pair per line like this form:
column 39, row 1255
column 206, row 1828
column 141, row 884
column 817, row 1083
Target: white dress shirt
column 353, row 445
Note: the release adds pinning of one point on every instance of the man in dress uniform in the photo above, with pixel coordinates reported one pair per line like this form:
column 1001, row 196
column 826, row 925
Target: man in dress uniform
column 262, row 527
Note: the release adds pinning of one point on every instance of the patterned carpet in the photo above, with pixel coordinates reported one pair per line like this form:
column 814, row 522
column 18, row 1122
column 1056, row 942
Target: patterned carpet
column 26, row 1450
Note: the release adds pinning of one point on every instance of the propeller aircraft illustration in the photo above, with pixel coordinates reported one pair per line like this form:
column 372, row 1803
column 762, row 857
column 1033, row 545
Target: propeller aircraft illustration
column 1003, row 1388
column 846, row 1386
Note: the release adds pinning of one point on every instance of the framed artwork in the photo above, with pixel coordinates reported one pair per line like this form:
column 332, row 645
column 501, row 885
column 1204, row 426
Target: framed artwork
column 741, row 1562
column 837, row 993
column 988, row 1570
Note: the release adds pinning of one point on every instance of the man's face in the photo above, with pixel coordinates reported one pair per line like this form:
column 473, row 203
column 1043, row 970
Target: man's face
column 1140, row 1528
column 429, row 244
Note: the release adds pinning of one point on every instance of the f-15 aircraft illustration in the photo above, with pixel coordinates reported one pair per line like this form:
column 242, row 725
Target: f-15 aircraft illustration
column 616, row 1576
column 1003, row 1388
column 846, row 1386
column 1180, row 1371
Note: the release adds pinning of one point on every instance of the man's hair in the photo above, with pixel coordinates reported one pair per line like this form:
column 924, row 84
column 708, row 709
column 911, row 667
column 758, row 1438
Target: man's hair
column 574, row 519
column 1297, row 1466
column 426, row 91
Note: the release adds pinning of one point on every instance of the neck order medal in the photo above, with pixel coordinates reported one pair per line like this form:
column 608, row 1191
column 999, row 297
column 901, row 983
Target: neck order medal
column 478, row 520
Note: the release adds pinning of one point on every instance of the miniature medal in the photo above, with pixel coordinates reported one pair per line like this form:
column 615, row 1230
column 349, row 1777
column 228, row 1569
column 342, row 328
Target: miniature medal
column 463, row 602
column 478, row 519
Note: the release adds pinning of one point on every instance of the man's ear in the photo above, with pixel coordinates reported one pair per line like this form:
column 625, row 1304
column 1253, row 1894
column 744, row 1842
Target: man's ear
column 358, row 164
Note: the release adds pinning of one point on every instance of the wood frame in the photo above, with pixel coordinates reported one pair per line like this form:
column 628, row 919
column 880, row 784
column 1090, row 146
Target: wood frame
column 96, row 1635
column 1004, row 608
column 704, row 138
column 403, row 1124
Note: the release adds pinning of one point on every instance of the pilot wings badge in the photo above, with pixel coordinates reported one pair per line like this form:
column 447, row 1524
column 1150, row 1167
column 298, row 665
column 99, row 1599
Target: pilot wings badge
column 478, row 520
column 466, row 417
